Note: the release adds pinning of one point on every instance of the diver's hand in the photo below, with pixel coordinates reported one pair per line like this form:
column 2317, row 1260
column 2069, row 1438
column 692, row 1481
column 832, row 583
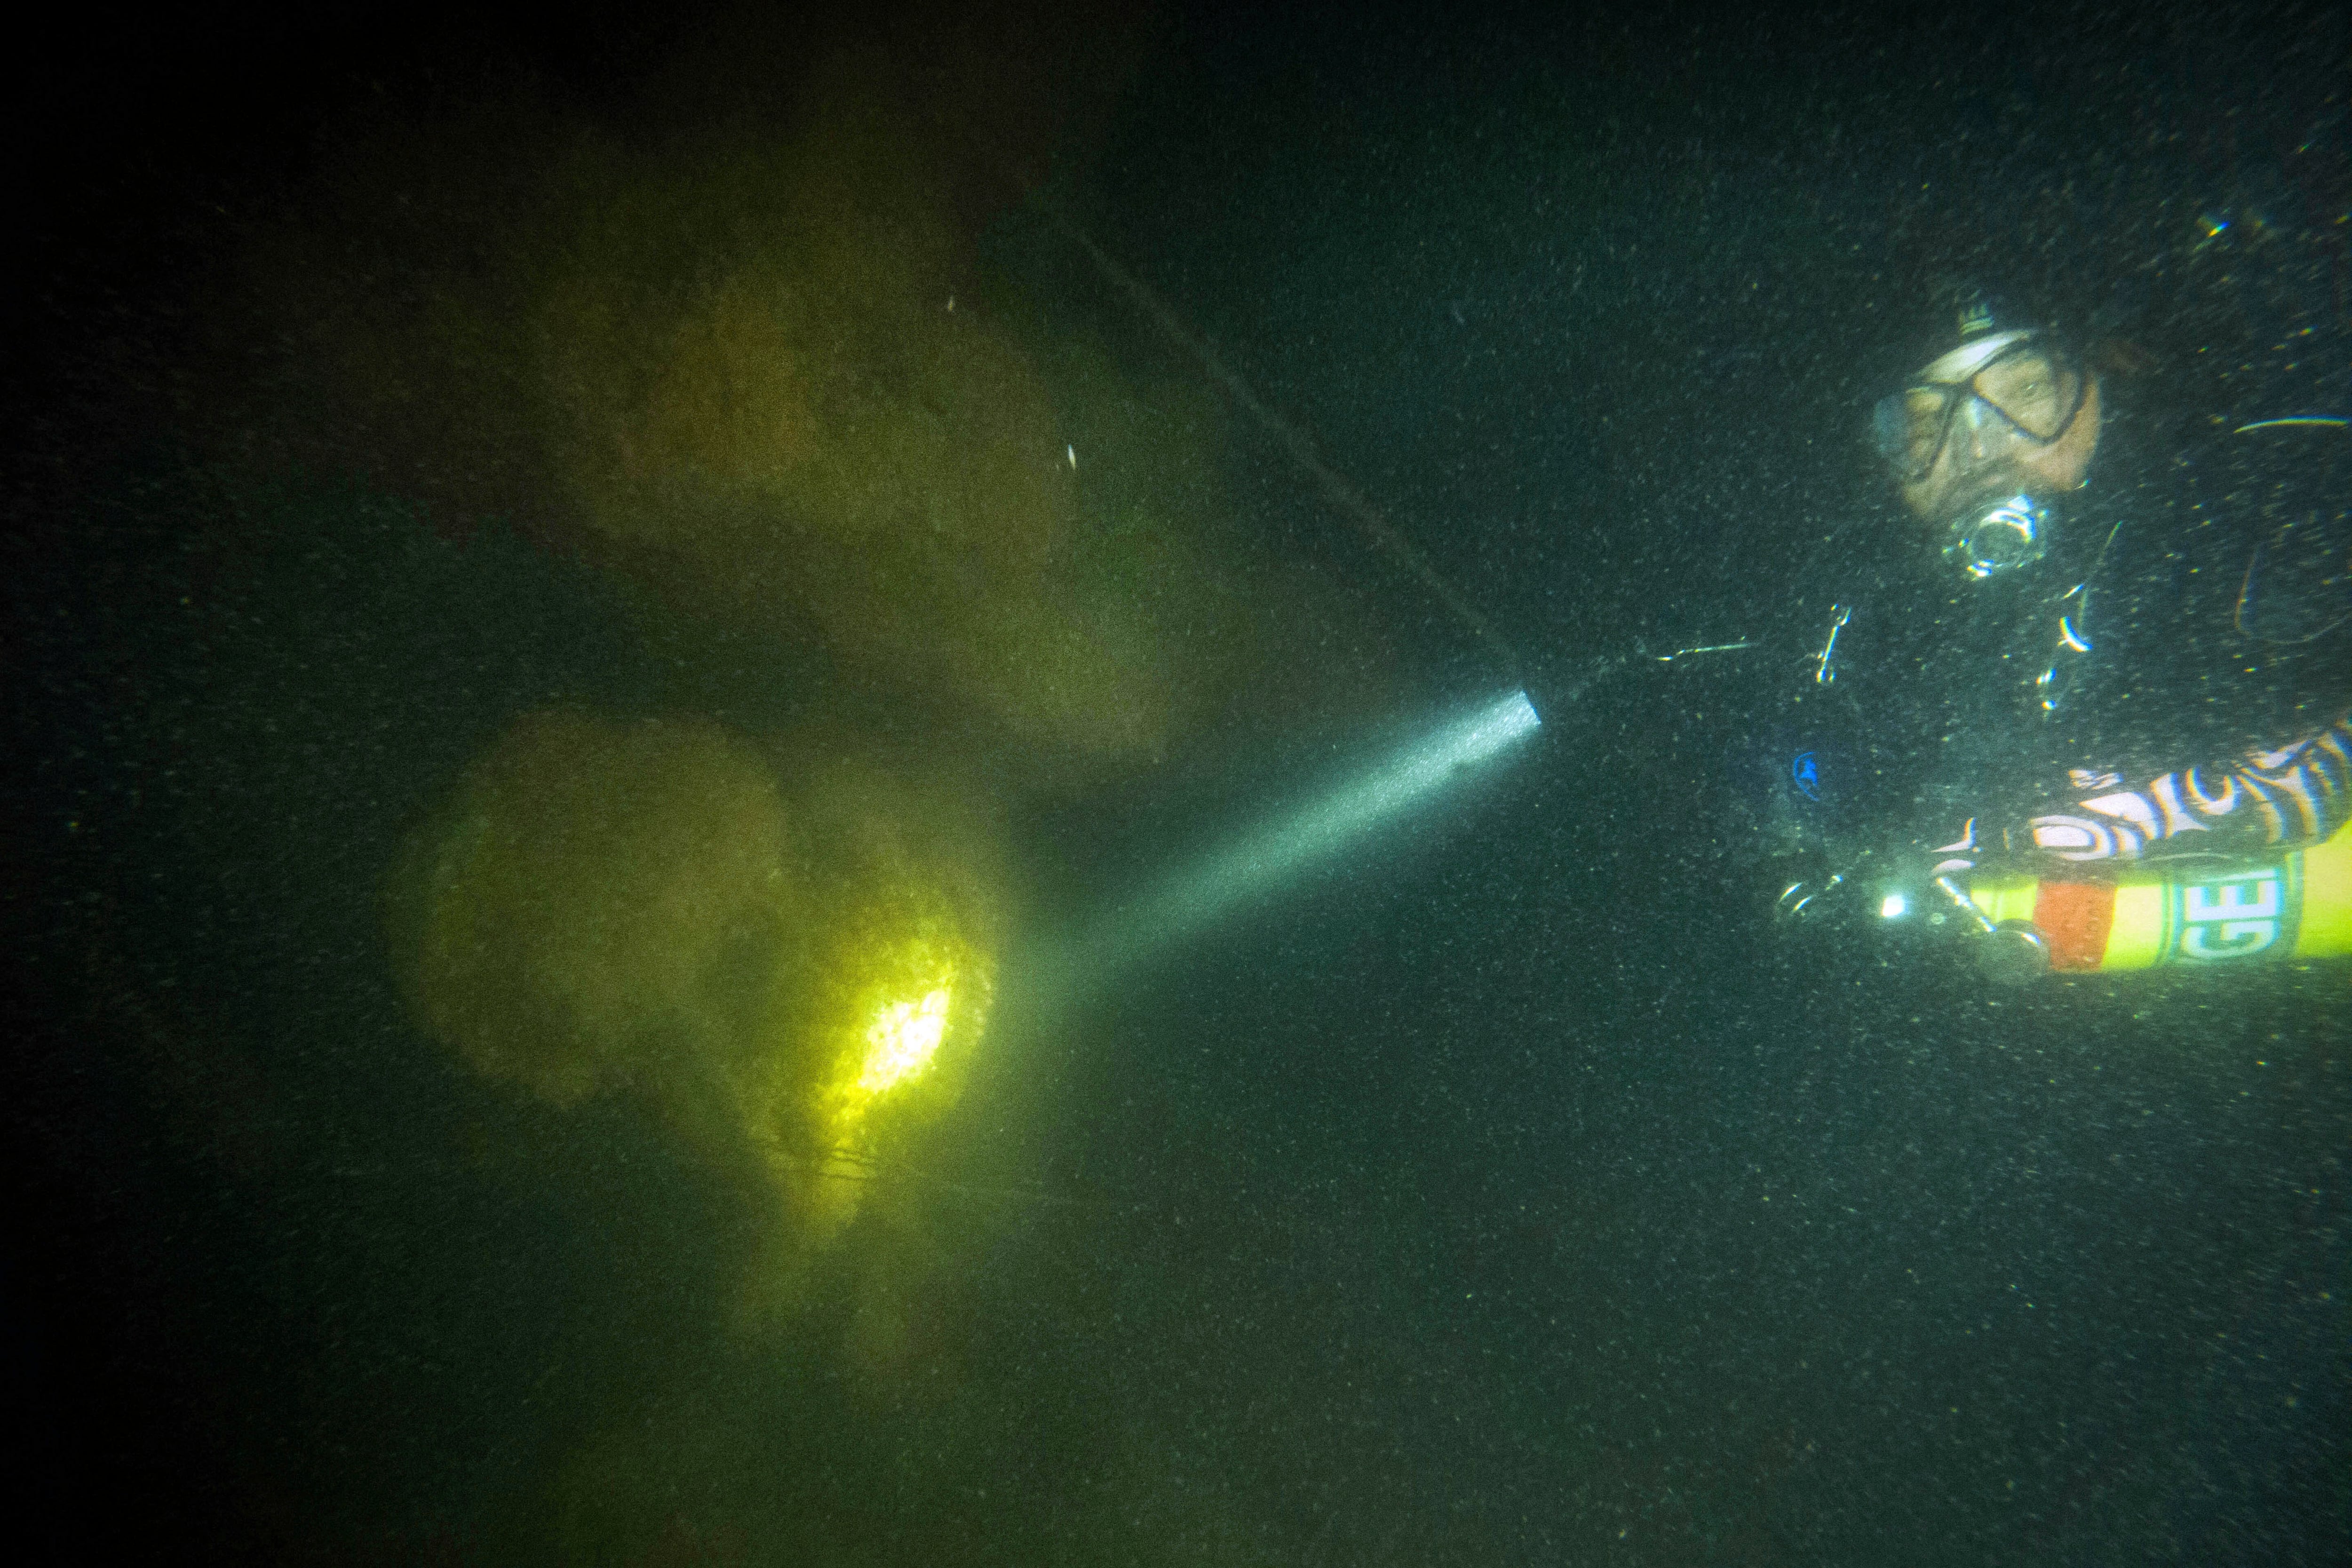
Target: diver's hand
column 1858, row 893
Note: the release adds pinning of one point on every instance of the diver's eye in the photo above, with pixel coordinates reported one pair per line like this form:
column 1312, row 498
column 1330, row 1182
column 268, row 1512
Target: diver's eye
column 2031, row 390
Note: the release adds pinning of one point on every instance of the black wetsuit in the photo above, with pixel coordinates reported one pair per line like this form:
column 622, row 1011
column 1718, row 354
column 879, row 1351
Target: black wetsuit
column 2173, row 678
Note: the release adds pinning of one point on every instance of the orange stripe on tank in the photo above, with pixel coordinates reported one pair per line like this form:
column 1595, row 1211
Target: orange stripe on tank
column 2073, row 918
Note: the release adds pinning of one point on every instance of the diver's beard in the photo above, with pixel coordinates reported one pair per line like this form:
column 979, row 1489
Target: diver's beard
column 1997, row 531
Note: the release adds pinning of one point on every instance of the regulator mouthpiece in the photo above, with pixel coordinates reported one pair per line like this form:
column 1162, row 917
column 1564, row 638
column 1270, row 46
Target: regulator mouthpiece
column 2007, row 536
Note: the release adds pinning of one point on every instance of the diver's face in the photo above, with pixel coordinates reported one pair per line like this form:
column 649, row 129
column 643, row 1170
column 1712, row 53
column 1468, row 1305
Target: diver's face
column 1975, row 428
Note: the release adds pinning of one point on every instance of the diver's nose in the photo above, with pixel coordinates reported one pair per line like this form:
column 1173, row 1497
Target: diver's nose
column 1976, row 432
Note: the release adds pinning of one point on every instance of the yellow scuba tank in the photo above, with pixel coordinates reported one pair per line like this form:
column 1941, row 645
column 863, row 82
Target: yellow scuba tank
column 2296, row 907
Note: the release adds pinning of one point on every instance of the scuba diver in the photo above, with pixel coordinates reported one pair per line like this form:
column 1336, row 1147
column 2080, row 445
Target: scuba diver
column 2107, row 645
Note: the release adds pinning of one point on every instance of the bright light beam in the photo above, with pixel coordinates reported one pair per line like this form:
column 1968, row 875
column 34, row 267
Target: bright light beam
column 1199, row 895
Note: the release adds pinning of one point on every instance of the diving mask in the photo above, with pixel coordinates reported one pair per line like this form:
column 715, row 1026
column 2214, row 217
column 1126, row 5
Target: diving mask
column 2000, row 396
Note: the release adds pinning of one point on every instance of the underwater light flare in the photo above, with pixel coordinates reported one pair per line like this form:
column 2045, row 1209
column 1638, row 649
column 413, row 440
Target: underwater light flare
column 1261, row 860
column 902, row 1041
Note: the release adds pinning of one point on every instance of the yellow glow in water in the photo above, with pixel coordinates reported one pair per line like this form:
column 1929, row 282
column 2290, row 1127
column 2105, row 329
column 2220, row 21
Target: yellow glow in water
column 901, row 1041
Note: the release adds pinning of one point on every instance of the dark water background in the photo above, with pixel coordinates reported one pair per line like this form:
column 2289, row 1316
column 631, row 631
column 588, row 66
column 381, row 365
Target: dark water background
column 1513, row 1199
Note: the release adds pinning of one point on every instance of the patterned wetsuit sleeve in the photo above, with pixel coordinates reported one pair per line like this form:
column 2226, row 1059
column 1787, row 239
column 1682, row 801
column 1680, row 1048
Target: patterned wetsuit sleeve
column 2299, row 794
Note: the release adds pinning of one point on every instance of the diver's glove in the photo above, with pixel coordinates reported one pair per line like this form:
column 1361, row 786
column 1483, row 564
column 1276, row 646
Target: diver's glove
column 1912, row 894
column 1866, row 894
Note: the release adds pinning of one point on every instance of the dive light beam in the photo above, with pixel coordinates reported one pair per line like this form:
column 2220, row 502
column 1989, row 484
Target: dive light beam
column 1261, row 860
